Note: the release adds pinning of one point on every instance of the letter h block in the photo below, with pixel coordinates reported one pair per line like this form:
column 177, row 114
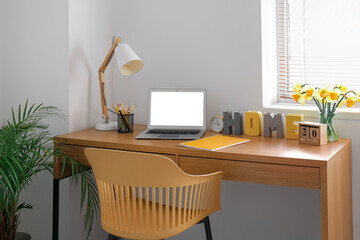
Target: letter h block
column 231, row 123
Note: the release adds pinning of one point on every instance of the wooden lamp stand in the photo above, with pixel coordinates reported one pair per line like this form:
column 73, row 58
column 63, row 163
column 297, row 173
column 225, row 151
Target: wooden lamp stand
column 129, row 63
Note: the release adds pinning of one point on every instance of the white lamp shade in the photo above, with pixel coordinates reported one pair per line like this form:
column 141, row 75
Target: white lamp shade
column 128, row 61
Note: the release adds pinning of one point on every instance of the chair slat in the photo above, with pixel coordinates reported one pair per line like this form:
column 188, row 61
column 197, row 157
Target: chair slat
column 113, row 208
column 190, row 202
column 134, row 207
column 200, row 210
column 147, row 216
column 194, row 201
column 153, row 198
column 204, row 196
column 160, row 209
column 128, row 210
column 180, row 204
column 141, row 219
column 209, row 196
column 107, row 202
column 123, row 212
column 185, row 203
column 173, row 202
column 198, row 199
column 101, row 199
column 117, row 206
column 167, row 204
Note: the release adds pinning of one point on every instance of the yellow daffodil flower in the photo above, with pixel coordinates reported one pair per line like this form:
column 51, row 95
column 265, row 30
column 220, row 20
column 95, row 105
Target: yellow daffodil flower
column 310, row 92
column 323, row 93
column 342, row 88
column 296, row 97
column 333, row 95
column 350, row 102
column 297, row 88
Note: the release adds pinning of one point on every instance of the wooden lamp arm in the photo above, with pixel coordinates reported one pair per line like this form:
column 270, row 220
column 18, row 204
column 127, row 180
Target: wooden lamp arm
column 102, row 78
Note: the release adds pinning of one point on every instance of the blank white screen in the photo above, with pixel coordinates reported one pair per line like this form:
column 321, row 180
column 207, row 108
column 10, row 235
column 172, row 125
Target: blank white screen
column 177, row 109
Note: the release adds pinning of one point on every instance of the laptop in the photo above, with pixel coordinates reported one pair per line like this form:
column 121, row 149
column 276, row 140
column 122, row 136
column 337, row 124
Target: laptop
column 175, row 114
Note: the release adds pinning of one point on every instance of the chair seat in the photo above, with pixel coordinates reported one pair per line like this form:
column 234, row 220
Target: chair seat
column 128, row 182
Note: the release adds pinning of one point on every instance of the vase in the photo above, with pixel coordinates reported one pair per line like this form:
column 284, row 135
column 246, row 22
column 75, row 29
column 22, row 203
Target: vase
column 327, row 118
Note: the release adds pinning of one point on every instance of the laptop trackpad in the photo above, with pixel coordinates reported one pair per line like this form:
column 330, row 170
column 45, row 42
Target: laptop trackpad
column 172, row 136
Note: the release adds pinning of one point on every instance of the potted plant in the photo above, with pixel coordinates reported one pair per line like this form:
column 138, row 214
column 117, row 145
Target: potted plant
column 328, row 99
column 26, row 149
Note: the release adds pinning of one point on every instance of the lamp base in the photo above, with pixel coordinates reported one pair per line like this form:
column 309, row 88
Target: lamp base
column 110, row 126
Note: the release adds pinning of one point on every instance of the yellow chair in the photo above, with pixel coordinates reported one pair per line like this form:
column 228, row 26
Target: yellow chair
column 147, row 196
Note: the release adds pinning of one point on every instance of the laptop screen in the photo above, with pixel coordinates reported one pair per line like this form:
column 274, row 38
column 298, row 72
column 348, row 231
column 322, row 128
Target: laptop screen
column 177, row 108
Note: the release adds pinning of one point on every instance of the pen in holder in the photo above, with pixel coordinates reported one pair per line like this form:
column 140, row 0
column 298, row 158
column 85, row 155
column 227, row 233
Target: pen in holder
column 125, row 123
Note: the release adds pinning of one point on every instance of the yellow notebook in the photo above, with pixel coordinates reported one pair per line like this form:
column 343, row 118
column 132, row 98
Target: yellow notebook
column 214, row 143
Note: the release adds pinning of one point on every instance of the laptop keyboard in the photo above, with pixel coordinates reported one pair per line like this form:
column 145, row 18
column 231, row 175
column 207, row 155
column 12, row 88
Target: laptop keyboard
column 174, row 131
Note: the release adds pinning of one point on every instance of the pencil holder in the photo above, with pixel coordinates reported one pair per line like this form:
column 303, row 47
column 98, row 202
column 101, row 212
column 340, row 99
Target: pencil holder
column 125, row 123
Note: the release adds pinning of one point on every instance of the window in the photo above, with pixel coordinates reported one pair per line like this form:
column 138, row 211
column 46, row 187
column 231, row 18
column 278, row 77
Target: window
column 318, row 42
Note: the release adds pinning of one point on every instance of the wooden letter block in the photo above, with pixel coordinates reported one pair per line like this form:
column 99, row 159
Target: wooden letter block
column 231, row 123
column 253, row 123
column 313, row 133
column 292, row 129
column 273, row 122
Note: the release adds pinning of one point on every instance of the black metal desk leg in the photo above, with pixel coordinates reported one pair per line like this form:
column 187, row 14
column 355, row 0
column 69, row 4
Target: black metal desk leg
column 55, row 226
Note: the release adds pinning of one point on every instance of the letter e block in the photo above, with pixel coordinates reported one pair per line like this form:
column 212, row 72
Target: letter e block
column 292, row 128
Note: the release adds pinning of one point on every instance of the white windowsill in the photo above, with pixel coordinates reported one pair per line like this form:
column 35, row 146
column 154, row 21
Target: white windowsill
column 343, row 113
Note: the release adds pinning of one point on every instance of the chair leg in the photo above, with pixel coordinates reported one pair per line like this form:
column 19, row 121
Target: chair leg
column 207, row 228
column 112, row 237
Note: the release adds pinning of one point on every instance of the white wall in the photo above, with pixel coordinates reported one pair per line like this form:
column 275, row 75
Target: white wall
column 34, row 65
column 217, row 45
column 90, row 39
column 192, row 44
column 51, row 50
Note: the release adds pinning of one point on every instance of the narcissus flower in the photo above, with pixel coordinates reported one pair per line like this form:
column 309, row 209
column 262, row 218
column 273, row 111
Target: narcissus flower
column 342, row 88
column 310, row 92
column 297, row 88
column 296, row 97
column 323, row 93
column 326, row 97
column 333, row 95
column 350, row 102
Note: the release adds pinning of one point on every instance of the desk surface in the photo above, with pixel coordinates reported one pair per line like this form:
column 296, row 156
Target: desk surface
column 276, row 161
column 267, row 150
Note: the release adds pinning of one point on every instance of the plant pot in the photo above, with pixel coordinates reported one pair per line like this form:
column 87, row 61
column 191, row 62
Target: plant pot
column 22, row 236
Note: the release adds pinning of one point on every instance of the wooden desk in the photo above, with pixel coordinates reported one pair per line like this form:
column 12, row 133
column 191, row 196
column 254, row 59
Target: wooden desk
column 264, row 160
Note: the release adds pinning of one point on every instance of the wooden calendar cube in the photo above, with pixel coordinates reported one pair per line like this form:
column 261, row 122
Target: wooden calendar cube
column 313, row 133
column 304, row 132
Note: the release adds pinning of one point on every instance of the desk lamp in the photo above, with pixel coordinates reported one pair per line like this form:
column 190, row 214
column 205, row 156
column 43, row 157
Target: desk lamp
column 129, row 63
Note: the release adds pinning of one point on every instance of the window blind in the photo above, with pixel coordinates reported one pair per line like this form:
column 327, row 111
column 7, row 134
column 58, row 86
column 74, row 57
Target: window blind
column 318, row 43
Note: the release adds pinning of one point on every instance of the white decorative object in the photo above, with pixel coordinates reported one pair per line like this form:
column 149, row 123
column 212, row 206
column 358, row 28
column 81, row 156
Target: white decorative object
column 217, row 123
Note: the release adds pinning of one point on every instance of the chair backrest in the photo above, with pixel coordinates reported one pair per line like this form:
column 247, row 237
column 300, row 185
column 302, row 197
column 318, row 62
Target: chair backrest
column 147, row 196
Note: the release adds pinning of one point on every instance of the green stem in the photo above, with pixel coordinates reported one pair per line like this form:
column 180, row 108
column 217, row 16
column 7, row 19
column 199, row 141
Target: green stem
column 318, row 104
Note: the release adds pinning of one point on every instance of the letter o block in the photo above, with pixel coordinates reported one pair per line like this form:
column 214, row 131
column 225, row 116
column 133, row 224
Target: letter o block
column 292, row 129
column 253, row 123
